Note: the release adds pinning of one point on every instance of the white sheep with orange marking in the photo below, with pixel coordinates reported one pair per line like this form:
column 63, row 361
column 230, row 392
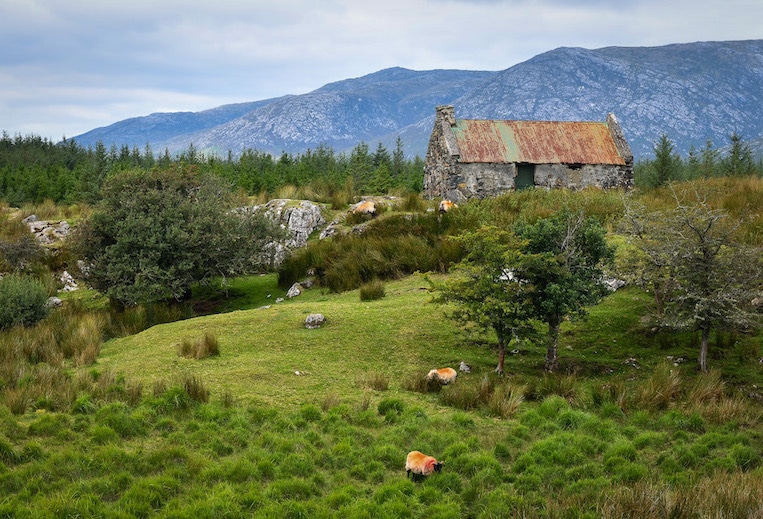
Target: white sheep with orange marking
column 447, row 205
column 444, row 375
column 368, row 208
column 419, row 465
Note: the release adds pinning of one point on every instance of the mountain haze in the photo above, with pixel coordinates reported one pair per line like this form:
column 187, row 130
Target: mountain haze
column 691, row 92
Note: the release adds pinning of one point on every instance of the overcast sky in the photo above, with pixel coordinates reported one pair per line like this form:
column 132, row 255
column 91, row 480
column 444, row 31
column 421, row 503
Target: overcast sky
column 68, row 66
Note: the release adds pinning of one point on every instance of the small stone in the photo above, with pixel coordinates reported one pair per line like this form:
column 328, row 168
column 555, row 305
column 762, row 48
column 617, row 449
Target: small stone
column 313, row 321
column 295, row 290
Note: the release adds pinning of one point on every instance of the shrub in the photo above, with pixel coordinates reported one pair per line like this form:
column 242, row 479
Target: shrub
column 22, row 301
column 19, row 254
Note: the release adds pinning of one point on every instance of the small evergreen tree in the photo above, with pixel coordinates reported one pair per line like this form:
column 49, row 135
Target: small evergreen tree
column 709, row 160
column 739, row 162
column 667, row 163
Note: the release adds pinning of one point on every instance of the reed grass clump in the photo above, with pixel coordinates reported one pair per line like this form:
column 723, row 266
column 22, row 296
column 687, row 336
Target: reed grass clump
column 506, row 401
column 388, row 248
column 418, row 382
column 661, row 389
column 202, row 348
column 372, row 290
column 330, row 400
column 411, row 202
column 564, row 385
column 373, row 380
column 195, row 388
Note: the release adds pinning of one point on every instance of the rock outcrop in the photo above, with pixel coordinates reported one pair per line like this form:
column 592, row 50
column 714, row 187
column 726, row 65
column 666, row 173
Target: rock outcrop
column 298, row 217
column 47, row 233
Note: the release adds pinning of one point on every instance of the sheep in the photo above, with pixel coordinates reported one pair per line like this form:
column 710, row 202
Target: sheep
column 419, row 465
column 444, row 375
column 447, row 205
column 368, row 208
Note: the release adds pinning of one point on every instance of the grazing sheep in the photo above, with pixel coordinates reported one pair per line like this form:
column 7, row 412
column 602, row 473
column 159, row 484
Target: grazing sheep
column 419, row 465
column 368, row 207
column 447, row 205
column 444, row 375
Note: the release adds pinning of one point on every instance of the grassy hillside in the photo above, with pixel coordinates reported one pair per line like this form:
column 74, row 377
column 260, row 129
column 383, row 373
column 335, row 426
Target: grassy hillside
column 287, row 422
column 610, row 437
column 262, row 348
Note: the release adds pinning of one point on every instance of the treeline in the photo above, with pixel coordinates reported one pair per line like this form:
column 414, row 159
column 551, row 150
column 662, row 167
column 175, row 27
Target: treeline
column 735, row 160
column 33, row 169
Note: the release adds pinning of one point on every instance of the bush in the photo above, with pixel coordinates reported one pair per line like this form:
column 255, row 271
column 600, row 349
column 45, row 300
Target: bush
column 22, row 301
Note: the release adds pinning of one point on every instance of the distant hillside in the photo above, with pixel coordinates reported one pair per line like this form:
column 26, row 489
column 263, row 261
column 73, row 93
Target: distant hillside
column 692, row 92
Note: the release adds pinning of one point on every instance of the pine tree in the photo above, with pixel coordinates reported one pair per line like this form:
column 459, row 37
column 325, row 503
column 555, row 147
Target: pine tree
column 666, row 162
column 739, row 162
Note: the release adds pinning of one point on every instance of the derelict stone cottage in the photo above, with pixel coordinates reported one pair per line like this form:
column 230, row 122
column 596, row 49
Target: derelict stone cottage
column 480, row 158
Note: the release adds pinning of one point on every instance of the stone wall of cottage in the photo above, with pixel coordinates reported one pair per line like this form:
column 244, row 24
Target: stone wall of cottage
column 605, row 176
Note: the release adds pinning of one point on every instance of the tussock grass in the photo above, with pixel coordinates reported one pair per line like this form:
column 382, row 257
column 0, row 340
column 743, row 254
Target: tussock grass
column 506, row 400
column 661, row 390
column 202, row 348
column 417, row 381
column 741, row 197
column 390, row 247
column 725, row 495
column 412, row 203
column 373, row 380
column 372, row 290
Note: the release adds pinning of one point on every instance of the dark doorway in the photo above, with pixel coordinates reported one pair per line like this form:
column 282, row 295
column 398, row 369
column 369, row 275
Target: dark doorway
column 525, row 176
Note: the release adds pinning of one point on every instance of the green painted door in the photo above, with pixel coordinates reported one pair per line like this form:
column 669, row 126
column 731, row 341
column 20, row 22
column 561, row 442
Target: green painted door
column 525, row 176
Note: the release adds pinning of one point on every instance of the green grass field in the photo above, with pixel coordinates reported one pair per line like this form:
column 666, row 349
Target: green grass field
column 603, row 438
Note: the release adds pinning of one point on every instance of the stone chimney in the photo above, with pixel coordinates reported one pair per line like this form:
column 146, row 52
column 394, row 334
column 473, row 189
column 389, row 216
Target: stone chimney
column 617, row 135
column 446, row 113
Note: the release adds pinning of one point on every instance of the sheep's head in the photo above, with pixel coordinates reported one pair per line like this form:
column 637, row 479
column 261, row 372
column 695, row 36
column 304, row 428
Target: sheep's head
column 438, row 466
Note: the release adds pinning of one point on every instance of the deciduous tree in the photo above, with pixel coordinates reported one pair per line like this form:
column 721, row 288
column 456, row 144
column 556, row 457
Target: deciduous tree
column 544, row 271
column 485, row 291
column 563, row 261
column 706, row 277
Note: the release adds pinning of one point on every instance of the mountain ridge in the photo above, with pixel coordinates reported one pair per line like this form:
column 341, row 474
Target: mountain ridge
column 692, row 92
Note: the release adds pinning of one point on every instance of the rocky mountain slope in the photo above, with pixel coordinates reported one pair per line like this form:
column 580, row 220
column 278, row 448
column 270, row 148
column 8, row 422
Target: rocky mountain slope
column 691, row 92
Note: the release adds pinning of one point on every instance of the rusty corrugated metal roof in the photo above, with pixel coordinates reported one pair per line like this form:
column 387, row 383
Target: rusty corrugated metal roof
column 535, row 142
